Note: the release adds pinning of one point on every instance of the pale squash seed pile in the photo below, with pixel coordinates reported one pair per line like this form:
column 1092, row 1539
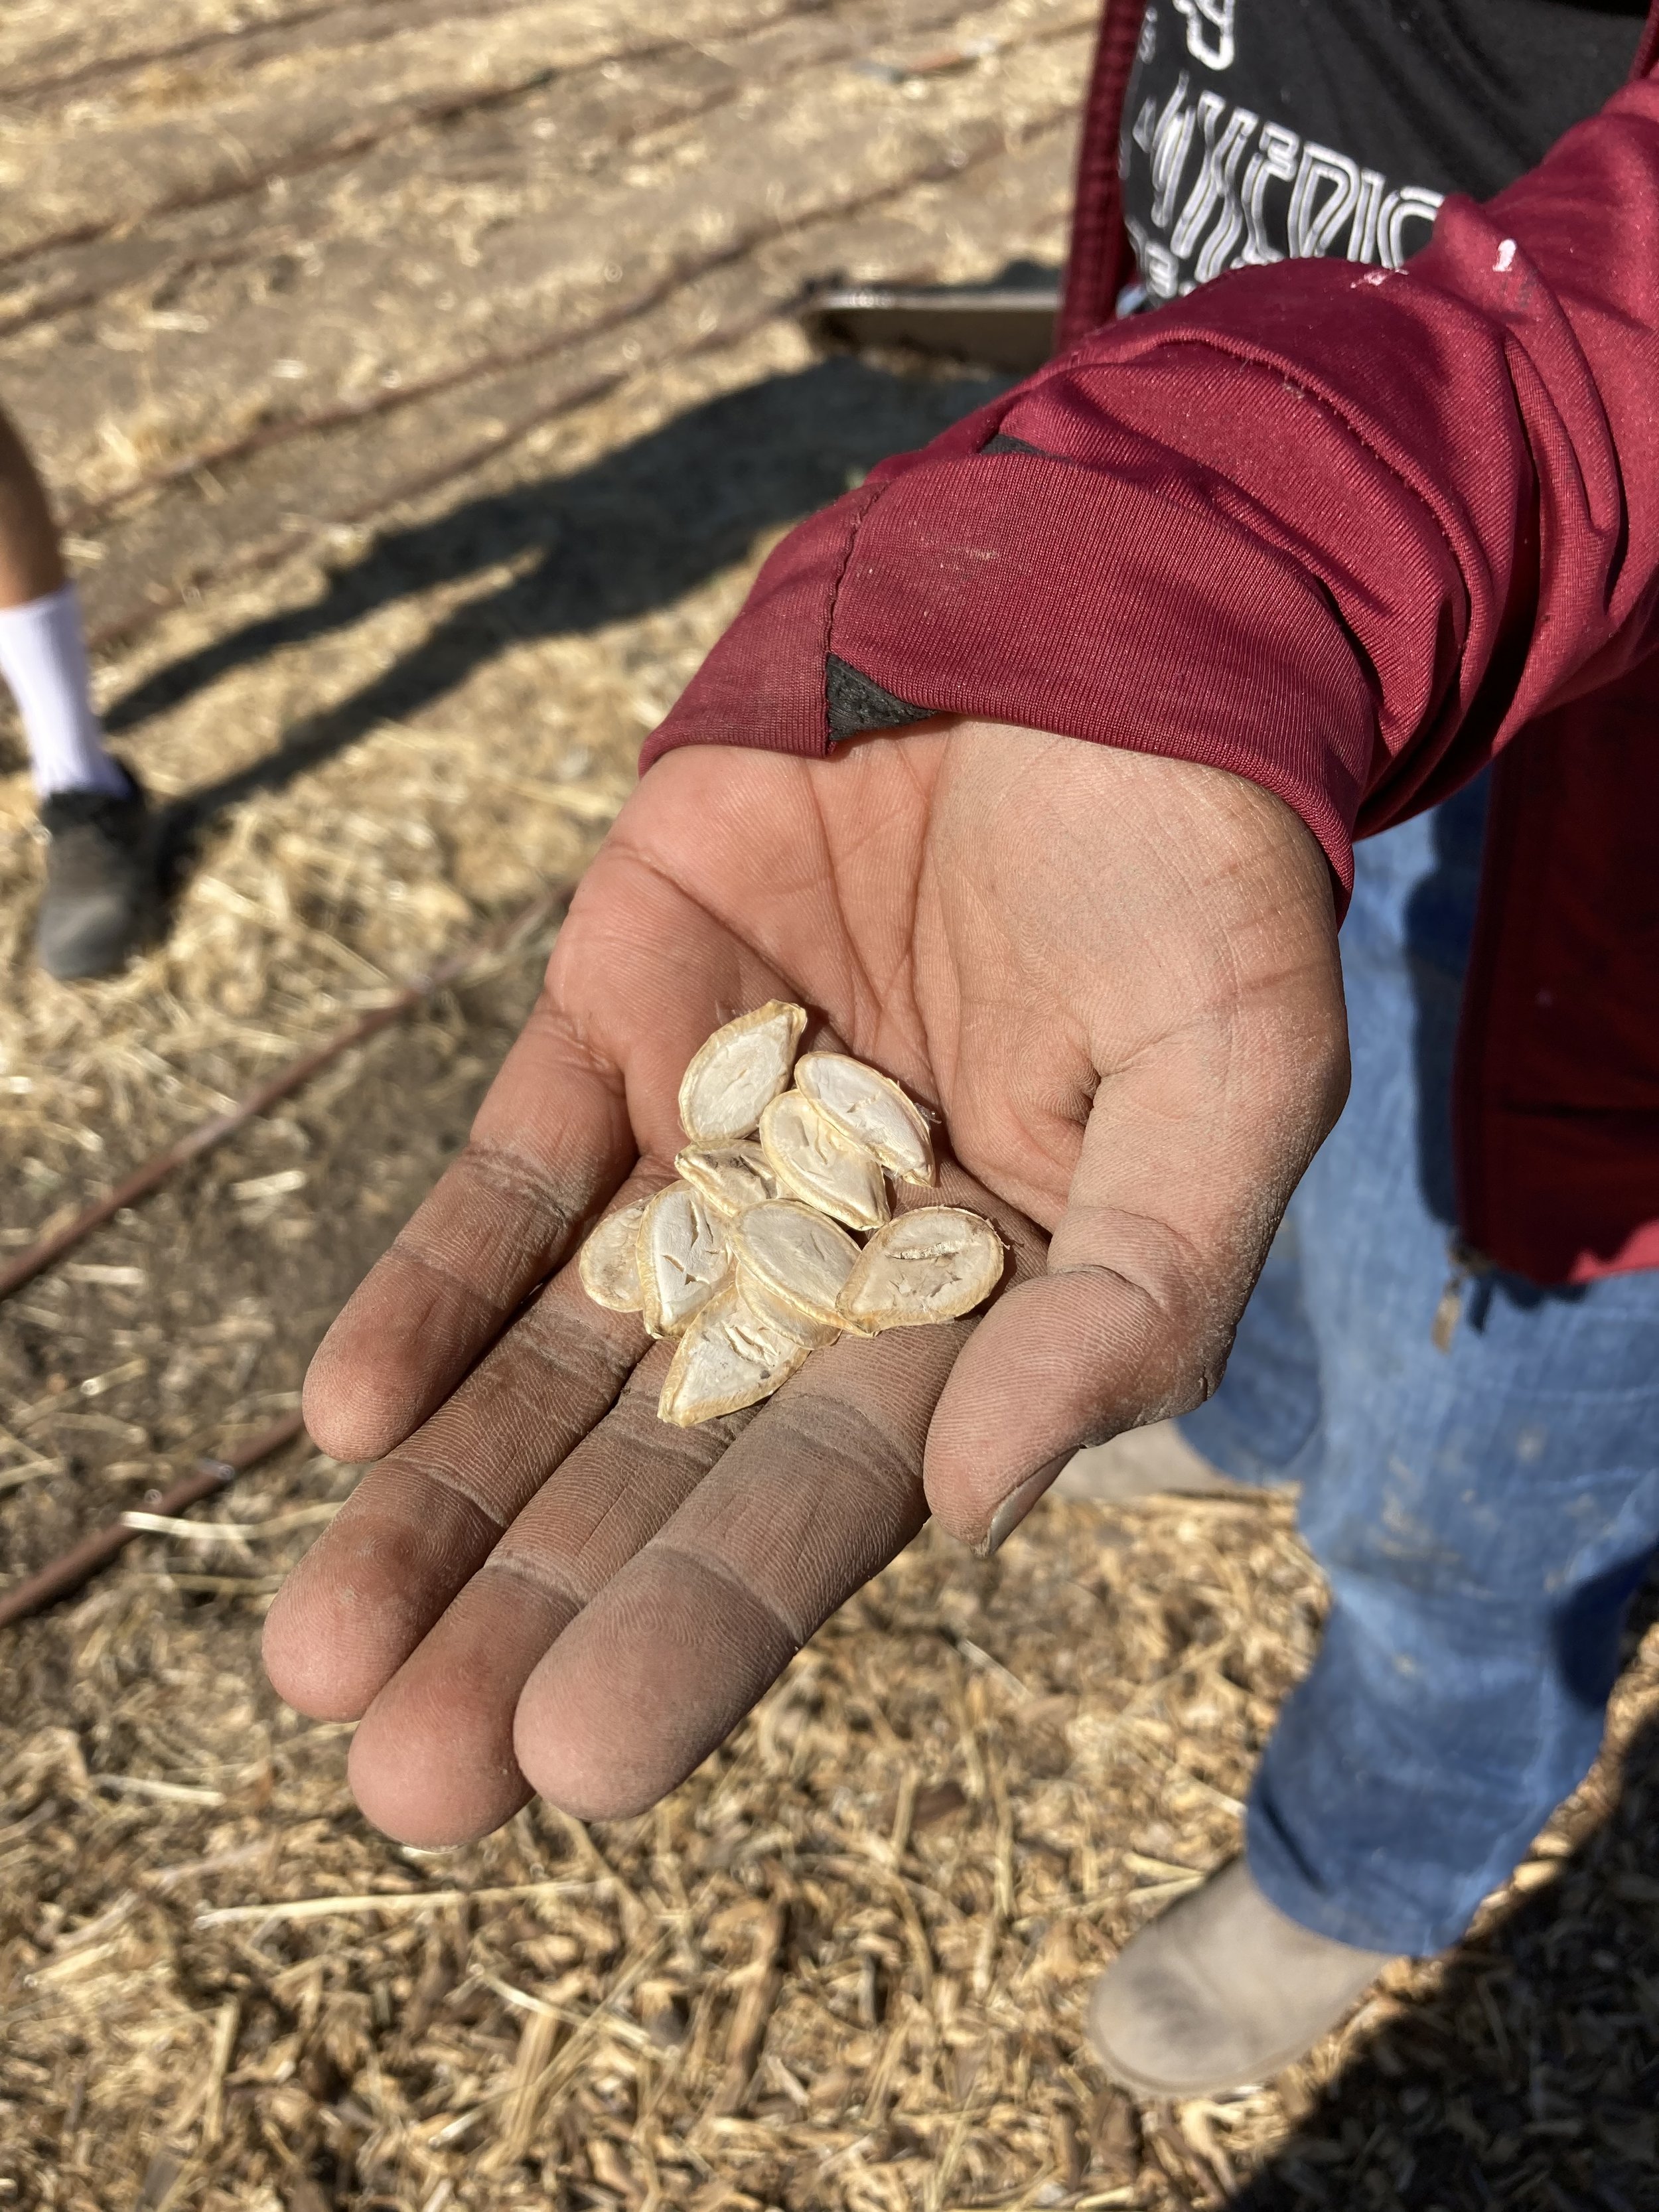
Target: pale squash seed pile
column 747, row 1258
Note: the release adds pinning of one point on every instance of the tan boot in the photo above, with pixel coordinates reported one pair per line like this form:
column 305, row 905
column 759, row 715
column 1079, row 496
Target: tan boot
column 1221, row 1990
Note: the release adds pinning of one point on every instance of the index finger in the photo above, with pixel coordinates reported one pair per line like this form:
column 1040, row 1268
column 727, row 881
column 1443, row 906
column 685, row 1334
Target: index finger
column 550, row 1143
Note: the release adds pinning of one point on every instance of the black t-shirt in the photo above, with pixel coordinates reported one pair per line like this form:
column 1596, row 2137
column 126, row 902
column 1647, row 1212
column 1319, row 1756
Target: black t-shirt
column 1259, row 129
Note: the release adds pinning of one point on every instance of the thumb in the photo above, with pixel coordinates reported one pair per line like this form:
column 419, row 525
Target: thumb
column 1189, row 1160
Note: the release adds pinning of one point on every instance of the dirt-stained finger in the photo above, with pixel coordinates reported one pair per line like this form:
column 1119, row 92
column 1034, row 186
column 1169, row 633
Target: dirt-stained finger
column 552, row 1139
column 422, row 1522
column 432, row 1762
column 816, row 1496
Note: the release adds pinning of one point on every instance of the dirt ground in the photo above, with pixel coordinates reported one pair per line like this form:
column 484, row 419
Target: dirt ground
column 421, row 388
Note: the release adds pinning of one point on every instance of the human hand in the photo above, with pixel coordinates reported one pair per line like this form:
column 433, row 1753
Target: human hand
column 1115, row 977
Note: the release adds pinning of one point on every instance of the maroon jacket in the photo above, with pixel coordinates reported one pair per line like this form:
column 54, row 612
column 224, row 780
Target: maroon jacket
column 1349, row 533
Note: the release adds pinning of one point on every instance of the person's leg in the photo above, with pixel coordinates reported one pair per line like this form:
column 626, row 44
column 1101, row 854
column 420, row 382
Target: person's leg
column 100, row 896
column 43, row 653
column 32, row 565
column 31, row 561
column 1482, row 1514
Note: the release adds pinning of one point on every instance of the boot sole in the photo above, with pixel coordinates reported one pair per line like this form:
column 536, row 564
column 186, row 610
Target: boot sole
column 1211, row 2085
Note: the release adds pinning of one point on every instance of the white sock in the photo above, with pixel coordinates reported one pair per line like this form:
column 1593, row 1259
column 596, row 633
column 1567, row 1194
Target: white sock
column 43, row 658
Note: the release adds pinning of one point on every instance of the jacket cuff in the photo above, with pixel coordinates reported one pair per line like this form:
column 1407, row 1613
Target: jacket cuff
column 1113, row 605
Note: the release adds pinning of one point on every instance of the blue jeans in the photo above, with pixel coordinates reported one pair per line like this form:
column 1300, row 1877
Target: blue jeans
column 1483, row 1515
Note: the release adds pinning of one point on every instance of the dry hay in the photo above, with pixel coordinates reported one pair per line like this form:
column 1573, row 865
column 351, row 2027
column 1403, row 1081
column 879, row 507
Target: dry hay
column 844, row 1966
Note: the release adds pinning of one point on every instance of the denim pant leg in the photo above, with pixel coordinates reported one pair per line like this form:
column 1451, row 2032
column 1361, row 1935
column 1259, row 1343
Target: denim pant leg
column 1483, row 1515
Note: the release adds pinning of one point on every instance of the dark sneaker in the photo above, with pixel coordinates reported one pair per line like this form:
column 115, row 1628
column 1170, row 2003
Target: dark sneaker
column 100, row 902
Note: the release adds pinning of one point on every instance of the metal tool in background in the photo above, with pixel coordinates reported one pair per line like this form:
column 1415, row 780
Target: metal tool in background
column 1008, row 324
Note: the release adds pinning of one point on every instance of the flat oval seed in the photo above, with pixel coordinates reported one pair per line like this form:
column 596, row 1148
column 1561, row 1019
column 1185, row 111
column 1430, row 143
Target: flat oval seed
column 930, row 1265
column 797, row 1254
column 870, row 1107
column 784, row 1313
column 816, row 1163
column 737, row 1074
column 609, row 1263
column 731, row 1357
column 731, row 1177
column 683, row 1258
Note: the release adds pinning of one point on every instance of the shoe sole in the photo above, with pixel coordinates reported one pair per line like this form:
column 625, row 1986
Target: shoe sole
column 1147, row 2085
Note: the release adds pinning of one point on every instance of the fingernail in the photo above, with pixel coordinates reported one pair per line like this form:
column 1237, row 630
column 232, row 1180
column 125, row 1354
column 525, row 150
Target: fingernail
column 1018, row 1504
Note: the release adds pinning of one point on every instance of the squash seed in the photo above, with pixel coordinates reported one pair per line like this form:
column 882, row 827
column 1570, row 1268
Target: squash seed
column 933, row 1264
column 729, row 1177
column 609, row 1263
column 730, row 1356
column 792, row 1319
column 871, row 1108
column 817, row 1163
column 683, row 1258
column 735, row 1076
column 796, row 1254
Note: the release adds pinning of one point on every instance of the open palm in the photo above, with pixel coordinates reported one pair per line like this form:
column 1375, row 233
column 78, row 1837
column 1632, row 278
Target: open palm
column 1113, row 975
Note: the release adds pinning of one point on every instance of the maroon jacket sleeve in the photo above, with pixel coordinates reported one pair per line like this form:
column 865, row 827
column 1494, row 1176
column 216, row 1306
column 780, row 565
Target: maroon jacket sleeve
column 1340, row 530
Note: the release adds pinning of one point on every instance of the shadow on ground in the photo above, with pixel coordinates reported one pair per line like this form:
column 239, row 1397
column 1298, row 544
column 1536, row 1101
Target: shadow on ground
column 1531, row 2076
column 634, row 532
